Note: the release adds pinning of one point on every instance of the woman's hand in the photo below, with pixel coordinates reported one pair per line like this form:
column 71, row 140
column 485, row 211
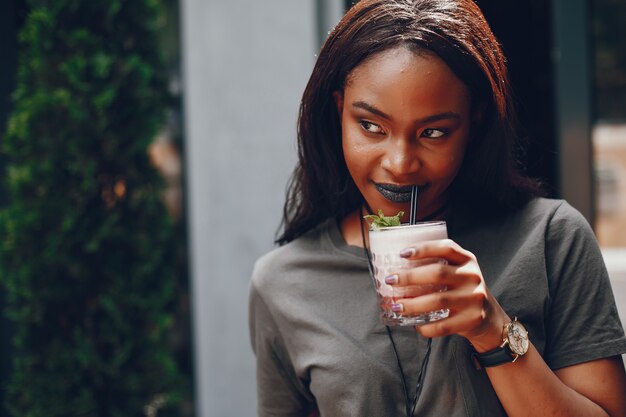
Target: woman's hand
column 474, row 312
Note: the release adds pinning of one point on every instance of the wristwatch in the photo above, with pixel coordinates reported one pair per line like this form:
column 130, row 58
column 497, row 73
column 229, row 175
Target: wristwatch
column 514, row 344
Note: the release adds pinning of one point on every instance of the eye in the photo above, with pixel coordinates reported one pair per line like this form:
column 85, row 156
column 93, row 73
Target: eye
column 370, row 127
column 433, row 133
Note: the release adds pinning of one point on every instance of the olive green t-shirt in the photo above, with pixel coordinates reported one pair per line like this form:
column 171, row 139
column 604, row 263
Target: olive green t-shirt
column 319, row 343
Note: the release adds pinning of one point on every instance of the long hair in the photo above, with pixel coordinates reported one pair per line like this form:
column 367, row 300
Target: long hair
column 457, row 32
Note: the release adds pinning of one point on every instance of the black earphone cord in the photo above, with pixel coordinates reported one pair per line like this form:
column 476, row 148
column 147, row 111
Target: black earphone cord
column 410, row 405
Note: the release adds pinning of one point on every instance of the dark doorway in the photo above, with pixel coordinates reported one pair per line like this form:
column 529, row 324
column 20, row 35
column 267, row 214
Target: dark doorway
column 524, row 30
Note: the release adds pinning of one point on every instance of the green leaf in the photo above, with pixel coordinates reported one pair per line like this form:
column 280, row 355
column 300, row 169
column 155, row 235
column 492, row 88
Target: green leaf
column 380, row 220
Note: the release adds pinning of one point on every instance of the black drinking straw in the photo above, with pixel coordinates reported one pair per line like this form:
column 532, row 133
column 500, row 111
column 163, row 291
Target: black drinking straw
column 413, row 213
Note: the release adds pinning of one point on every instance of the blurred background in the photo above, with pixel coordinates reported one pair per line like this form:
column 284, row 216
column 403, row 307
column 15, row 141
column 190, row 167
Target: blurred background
column 145, row 150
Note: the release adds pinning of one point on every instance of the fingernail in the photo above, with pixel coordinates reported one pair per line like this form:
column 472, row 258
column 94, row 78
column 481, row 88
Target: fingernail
column 391, row 279
column 397, row 308
column 407, row 253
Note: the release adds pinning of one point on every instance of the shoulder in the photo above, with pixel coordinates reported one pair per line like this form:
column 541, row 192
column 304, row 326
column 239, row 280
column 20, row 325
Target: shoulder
column 570, row 248
column 558, row 216
column 539, row 218
column 571, row 239
column 556, row 209
column 273, row 268
column 562, row 221
column 562, row 226
column 540, row 207
column 542, row 230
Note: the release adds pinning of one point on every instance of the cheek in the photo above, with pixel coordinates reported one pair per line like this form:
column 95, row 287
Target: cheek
column 355, row 161
column 448, row 165
column 361, row 160
column 443, row 168
column 351, row 153
column 457, row 154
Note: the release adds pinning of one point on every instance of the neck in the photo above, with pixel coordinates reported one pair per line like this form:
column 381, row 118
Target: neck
column 439, row 214
column 351, row 228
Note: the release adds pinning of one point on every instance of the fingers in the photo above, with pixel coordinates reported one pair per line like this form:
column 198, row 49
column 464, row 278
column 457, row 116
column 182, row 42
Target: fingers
column 445, row 249
column 436, row 274
column 466, row 296
column 460, row 323
column 454, row 300
column 467, row 312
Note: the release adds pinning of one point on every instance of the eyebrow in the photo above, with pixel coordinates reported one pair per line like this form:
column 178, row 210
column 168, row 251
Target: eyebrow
column 429, row 119
column 365, row 106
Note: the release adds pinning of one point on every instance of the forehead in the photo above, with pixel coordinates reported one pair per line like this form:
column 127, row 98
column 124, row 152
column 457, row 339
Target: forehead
column 397, row 53
column 406, row 77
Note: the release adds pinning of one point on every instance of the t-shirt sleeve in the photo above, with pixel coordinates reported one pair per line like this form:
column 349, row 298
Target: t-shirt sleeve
column 582, row 320
column 279, row 392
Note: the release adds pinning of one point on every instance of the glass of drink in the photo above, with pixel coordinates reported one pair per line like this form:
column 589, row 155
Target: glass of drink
column 385, row 246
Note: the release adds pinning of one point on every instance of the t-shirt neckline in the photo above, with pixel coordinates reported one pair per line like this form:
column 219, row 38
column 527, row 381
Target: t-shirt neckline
column 337, row 242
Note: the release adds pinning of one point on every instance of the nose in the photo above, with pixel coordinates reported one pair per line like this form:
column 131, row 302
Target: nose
column 401, row 159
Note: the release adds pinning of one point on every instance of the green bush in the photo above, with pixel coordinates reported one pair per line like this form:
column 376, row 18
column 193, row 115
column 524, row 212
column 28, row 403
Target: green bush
column 87, row 249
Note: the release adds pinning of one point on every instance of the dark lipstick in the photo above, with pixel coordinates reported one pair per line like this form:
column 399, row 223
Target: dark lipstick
column 395, row 193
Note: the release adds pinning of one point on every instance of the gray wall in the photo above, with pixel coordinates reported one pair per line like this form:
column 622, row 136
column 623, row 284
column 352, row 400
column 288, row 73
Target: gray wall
column 245, row 65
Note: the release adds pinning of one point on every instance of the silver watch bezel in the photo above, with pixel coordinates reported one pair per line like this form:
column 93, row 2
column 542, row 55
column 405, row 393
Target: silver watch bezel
column 517, row 337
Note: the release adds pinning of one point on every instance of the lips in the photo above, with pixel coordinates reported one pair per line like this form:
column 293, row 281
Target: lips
column 395, row 193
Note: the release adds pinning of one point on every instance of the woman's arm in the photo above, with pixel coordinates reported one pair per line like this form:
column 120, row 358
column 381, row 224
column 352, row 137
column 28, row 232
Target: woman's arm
column 527, row 387
column 606, row 376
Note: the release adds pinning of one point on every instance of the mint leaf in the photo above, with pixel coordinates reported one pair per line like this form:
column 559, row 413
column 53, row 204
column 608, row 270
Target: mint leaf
column 379, row 220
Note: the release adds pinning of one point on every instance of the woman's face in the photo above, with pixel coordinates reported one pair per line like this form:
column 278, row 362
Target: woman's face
column 405, row 119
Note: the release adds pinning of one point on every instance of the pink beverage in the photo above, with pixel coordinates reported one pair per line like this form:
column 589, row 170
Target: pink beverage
column 385, row 246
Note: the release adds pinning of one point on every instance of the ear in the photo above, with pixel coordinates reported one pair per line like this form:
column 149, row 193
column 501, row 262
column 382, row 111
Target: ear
column 338, row 96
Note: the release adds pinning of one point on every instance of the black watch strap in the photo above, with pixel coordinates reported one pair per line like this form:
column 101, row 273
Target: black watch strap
column 495, row 357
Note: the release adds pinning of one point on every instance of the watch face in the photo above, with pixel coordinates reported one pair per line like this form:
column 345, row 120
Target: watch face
column 518, row 338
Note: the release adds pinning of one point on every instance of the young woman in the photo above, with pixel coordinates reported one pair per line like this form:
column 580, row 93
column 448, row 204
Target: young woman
column 415, row 92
